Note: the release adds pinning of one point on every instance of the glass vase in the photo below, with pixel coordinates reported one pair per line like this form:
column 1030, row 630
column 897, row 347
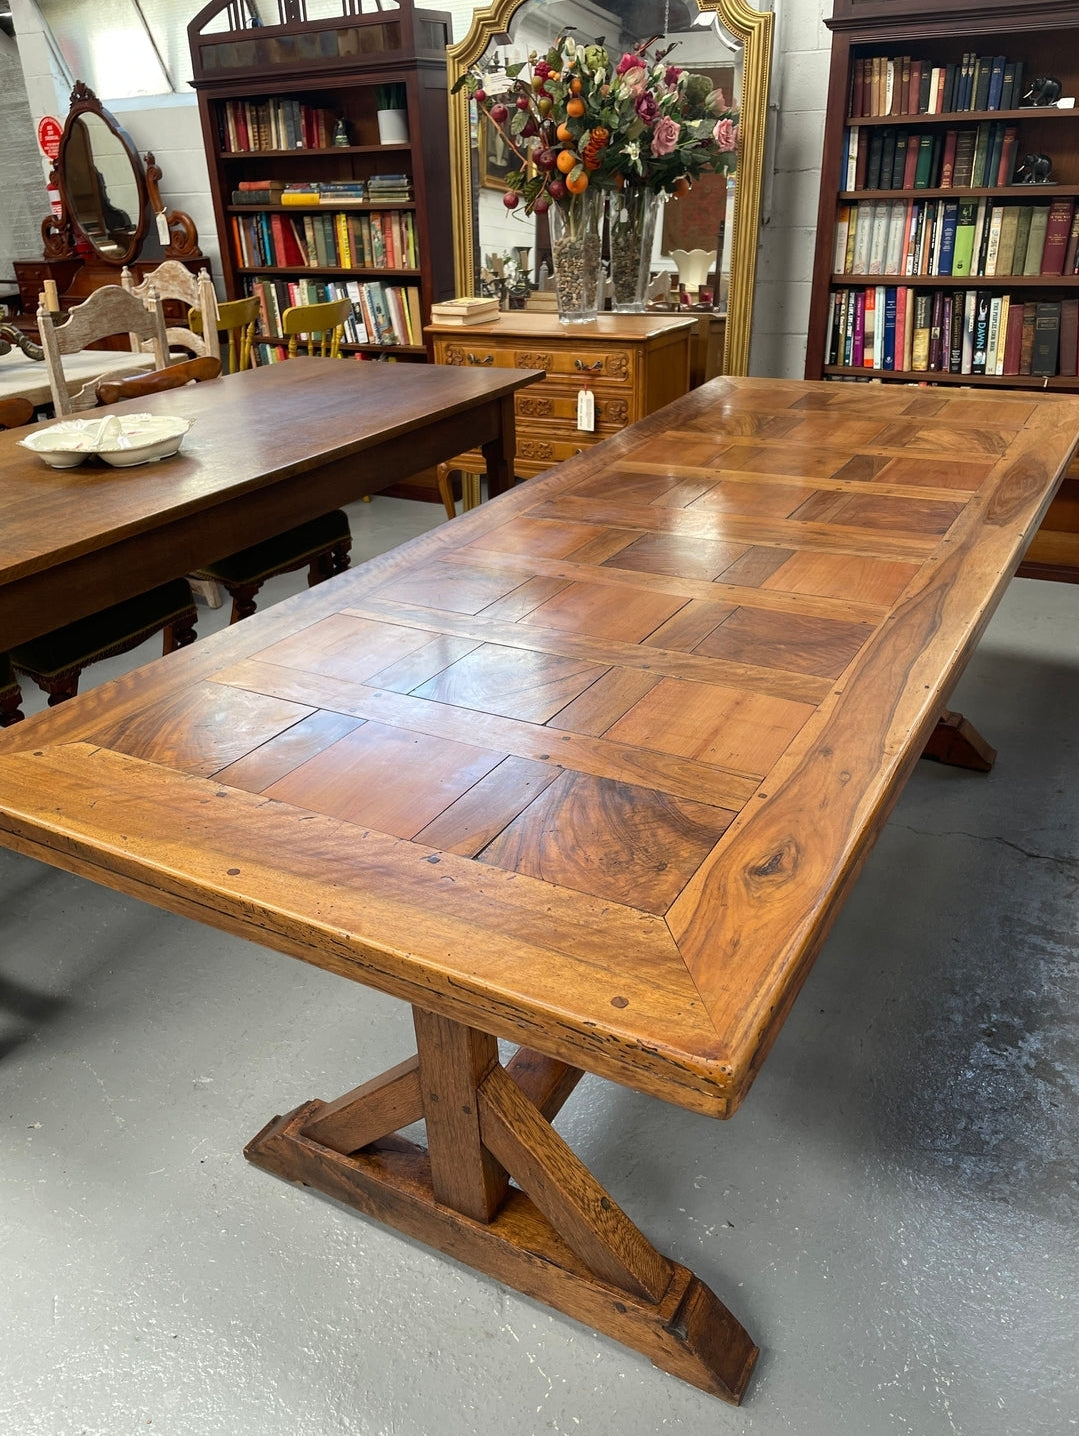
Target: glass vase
column 632, row 222
column 575, row 253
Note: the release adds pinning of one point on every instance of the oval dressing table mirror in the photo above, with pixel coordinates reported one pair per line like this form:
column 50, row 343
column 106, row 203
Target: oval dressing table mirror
column 727, row 40
column 111, row 213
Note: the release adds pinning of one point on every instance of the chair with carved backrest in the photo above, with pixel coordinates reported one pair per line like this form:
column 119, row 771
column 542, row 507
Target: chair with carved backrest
column 109, row 311
column 172, row 280
column 321, row 545
column 55, row 660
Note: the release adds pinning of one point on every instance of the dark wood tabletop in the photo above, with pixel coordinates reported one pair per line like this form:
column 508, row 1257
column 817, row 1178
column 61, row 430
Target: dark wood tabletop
column 591, row 768
column 268, row 449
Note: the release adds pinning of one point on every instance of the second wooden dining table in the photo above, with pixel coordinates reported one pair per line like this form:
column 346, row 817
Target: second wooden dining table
column 268, row 449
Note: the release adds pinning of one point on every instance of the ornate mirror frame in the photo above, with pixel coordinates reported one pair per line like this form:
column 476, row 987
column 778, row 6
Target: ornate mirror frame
column 753, row 29
column 60, row 234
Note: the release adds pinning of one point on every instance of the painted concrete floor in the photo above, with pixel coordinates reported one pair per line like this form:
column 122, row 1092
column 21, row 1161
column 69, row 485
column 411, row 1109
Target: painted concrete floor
column 892, row 1213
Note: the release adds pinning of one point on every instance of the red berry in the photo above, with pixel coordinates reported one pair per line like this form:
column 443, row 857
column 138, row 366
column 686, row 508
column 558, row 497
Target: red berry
column 523, row 102
column 480, row 96
column 557, row 189
column 509, row 199
column 529, row 128
column 546, row 159
column 499, row 114
column 542, row 205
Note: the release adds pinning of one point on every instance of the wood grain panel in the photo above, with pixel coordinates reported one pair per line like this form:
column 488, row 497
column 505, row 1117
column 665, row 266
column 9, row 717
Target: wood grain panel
column 605, row 610
column 480, row 814
column 606, row 700
column 203, row 729
column 514, row 682
column 386, row 778
column 279, row 755
column 610, row 840
column 932, row 472
column 683, row 557
column 865, row 580
column 743, row 731
column 600, row 756
column 806, row 645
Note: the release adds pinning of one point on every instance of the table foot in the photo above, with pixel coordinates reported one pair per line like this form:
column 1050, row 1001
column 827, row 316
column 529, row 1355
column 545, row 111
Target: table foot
column 958, row 743
column 554, row 1235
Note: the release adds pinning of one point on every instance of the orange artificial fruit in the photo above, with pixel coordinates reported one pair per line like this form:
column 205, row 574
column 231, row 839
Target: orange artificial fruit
column 564, row 133
column 575, row 84
column 577, row 182
column 575, row 108
column 566, row 161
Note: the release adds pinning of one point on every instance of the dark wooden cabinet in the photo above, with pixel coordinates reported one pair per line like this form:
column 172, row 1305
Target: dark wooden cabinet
column 888, row 301
column 297, row 103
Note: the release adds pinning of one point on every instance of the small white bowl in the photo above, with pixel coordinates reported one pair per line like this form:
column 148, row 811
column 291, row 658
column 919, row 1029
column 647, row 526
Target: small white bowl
column 122, row 440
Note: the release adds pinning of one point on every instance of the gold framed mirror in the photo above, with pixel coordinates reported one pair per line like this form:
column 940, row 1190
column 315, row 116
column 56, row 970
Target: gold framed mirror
column 746, row 37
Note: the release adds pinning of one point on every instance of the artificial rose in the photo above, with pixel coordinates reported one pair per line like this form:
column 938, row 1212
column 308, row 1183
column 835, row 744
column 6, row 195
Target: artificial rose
column 665, row 136
column 647, row 109
column 725, row 135
column 633, row 80
column 716, row 101
column 628, row 62
column 671, row 75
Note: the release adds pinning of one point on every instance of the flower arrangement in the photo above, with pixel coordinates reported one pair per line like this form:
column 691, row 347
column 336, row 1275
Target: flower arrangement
column 575, row 118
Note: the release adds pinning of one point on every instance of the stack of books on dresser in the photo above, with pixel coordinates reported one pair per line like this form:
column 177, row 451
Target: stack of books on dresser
column 464, row 310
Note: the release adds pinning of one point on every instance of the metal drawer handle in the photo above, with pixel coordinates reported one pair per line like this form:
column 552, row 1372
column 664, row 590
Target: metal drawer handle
column 580, row 364
column 475, row 359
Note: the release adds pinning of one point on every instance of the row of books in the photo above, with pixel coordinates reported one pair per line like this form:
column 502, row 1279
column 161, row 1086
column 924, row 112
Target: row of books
column 381, row 313
column 375, row 239
column 965, row 331
column 901, row 85
column 275, row 191
column 986, row 238
column 890, row 158
column 278, row 123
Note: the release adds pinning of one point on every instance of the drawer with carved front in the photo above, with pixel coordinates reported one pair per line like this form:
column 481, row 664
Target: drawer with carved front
column 568, row 359
column 554, row 403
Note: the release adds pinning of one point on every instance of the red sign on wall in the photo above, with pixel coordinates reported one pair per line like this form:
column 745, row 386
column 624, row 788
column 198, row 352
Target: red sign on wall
column 49, row 131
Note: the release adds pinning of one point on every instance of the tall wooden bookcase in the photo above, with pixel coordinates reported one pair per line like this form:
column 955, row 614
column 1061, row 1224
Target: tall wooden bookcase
column 271, row 96
column 939, row 33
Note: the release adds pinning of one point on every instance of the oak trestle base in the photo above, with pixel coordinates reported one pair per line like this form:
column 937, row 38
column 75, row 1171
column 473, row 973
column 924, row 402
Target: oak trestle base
column 556, row 1235
column 958, row 743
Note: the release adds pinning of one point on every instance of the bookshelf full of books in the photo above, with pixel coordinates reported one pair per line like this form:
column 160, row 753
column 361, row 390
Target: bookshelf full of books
column 947, row 247
column 311, row 202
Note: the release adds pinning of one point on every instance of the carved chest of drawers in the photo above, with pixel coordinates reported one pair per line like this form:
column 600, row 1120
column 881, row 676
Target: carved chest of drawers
column 632, row 363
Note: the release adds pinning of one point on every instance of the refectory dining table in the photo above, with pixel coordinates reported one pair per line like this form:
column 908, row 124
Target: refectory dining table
column 590, row 768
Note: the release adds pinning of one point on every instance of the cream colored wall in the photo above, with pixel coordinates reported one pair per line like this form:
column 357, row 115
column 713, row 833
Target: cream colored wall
column 169, row 127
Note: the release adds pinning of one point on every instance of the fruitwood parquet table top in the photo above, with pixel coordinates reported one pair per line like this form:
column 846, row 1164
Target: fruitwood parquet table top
column 593, row 766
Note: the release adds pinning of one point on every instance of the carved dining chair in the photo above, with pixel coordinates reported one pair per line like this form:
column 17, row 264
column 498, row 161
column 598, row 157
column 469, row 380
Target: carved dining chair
column 321, row 325
column 321, row 545
column 55, row 661
column 173, row 281
column 238, row 320
column 109, row 311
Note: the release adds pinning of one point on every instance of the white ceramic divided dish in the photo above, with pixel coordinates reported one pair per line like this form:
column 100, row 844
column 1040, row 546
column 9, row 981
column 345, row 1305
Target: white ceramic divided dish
column 122, row 440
